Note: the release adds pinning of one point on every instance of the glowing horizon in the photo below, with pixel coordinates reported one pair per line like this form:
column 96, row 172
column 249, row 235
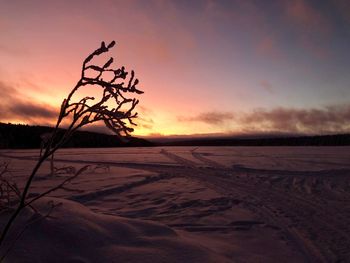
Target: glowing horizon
column 205, row 66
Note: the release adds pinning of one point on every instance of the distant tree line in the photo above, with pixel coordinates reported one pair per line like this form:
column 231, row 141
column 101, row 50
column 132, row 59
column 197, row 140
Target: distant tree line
column 19, row 136
column 322, row 140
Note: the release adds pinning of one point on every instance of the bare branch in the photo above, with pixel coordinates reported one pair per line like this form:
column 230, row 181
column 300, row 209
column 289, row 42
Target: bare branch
column 81, row 113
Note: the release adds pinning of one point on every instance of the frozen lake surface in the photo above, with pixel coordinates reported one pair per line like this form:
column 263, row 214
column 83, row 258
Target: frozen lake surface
column 249, row 203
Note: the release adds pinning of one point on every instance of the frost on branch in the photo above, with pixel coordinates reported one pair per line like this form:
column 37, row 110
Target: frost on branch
column 78, row 113
column 114, row 92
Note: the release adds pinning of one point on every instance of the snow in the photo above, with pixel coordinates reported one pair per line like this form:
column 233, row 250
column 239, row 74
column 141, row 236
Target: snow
column 188, row 204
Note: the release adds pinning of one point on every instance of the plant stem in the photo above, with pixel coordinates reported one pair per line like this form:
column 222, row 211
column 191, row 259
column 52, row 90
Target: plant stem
column 21, row 204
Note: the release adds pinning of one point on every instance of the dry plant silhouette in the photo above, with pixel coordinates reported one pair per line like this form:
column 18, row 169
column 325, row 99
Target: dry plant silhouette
column 77, row 114
column 9, row 192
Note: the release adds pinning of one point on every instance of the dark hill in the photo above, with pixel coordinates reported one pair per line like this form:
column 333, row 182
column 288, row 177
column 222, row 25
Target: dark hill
column 18, row 136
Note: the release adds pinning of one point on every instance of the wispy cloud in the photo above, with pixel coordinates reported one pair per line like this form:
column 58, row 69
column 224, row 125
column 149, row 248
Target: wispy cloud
column 268, row 46
column 306, row 16
column 15, row 105
column 343, row 8
column 311, row 25
column 266, row 85
column 26, row 109
column 145, row 119
column 332, row 119
column 212, row 118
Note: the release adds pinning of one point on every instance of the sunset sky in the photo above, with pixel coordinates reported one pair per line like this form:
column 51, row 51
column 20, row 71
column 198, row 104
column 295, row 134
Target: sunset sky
column 223, row 67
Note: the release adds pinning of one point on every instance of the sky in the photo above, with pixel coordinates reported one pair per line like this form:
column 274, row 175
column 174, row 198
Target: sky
column 206, row 67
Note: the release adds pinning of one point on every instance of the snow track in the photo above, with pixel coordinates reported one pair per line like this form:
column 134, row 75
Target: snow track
column 310, row 207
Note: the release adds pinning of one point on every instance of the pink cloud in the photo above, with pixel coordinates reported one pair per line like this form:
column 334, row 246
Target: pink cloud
column 268, row 47
column 266, row 85
column 309, row 18
column 343, row 9
column 312, row 26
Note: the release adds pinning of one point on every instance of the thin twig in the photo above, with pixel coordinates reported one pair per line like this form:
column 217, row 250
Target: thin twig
column 81, row 114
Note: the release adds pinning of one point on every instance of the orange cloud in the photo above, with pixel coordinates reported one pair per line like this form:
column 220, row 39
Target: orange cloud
column 17, row 106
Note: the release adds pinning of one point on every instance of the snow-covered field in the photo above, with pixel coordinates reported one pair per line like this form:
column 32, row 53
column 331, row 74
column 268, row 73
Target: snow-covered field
column 205, row 204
